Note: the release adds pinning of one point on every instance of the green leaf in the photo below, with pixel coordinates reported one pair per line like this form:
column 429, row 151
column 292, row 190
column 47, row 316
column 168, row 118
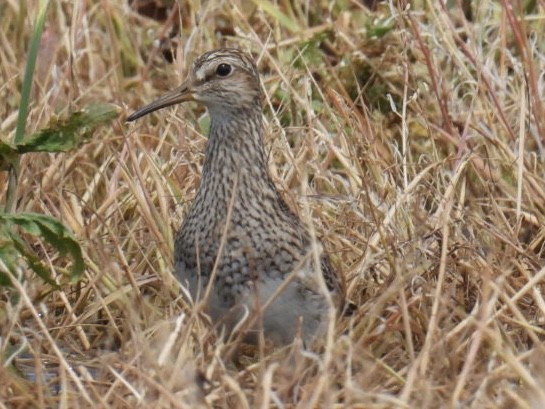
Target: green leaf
column 25, row 101
column 204, row 124
column 32, row 260
column 29, row 70
column 8, row 155
column 8, row 257
column 380, row 27
column 275, row 13
column 50, row 230
column 64, row 135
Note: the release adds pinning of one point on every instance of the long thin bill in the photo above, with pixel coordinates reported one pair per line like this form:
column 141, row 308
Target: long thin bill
column 180, row 94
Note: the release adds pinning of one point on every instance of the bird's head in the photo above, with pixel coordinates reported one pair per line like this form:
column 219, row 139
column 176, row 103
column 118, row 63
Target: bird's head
column 223, row 80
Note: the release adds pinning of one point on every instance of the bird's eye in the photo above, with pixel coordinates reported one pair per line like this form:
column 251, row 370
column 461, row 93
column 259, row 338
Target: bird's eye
column 223, row 70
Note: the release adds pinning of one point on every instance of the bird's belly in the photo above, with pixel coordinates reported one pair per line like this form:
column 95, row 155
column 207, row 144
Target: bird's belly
column 281, row 313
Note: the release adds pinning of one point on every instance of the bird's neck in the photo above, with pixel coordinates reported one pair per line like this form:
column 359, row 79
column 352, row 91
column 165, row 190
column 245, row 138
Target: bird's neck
column 235, row 154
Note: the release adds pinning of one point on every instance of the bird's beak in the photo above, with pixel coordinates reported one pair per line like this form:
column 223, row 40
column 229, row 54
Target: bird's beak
column 181, row 94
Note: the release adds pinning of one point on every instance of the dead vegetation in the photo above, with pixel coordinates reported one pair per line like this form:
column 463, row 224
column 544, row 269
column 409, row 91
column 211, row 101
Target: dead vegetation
column 411, row 137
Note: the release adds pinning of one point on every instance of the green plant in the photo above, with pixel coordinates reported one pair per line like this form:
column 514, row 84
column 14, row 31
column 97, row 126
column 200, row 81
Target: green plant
column 60, row 136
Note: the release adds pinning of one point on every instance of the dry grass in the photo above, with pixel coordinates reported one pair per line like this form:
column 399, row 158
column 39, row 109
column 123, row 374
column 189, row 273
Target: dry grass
column 413, row 140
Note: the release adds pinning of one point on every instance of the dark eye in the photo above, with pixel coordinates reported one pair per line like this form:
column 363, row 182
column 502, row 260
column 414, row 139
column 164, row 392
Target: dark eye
column 223, row 70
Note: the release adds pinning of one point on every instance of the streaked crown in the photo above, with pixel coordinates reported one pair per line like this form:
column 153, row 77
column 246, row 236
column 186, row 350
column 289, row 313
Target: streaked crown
column 227, row 77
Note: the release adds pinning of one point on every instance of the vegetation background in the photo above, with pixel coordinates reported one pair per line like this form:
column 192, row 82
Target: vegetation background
column 411, row 135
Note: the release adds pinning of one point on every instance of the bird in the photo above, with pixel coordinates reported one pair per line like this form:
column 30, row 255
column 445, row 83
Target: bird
column 241, row 250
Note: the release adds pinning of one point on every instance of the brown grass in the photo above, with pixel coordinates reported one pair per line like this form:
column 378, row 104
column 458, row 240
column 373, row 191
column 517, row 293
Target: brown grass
column 413, row 138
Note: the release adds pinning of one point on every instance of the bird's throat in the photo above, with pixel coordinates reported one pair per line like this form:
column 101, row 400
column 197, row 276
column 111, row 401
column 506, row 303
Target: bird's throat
column 234, row 157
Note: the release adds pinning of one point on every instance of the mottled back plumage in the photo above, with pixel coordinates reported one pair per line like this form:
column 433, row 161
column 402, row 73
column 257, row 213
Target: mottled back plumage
column 239, row 211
